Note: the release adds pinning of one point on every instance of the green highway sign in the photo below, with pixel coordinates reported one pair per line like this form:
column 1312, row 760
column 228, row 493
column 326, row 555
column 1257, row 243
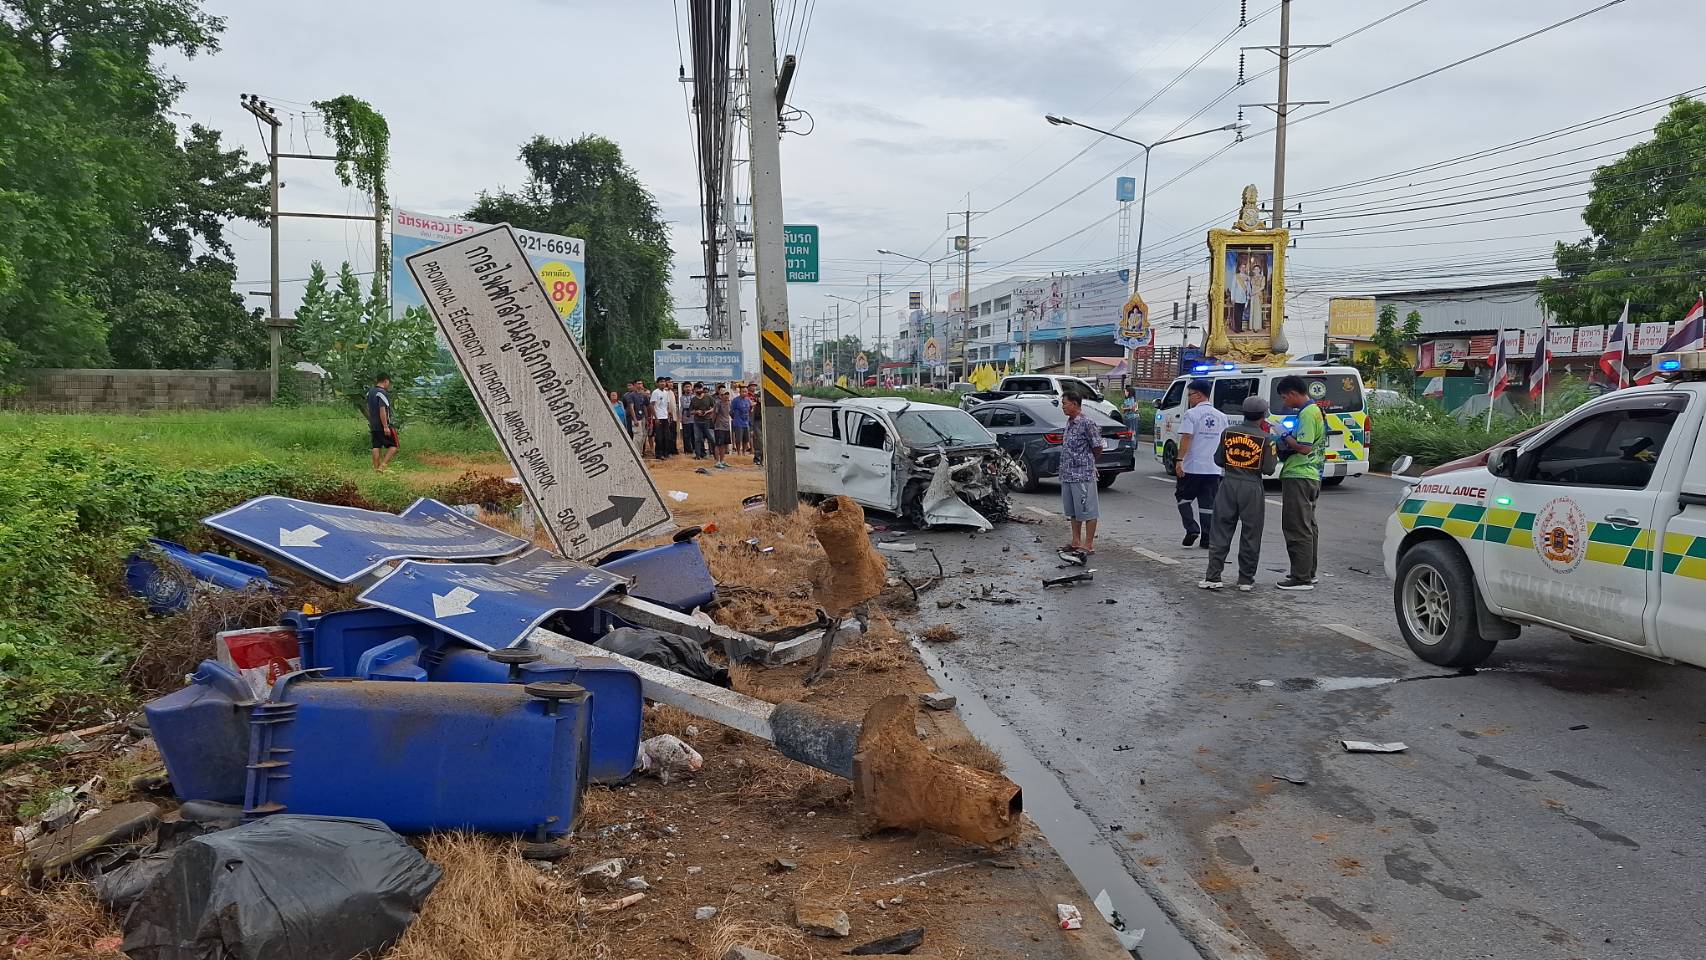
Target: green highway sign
column 800, row 241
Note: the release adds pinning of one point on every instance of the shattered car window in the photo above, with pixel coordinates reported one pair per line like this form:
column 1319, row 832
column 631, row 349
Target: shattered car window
column 932, row 428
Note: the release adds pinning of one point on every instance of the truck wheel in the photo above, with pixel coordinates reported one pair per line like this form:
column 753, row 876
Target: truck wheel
column 1106, row 480
column 1434, row 598
column 1170, row 458
column 1332, row 481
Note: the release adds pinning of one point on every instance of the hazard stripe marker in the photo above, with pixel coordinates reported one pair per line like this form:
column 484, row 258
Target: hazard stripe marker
column 777, row 369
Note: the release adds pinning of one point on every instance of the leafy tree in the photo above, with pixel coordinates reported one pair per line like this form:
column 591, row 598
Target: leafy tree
column 583, row 188
column 354, row 336
column 171, row 306
column 1647, row 217
column 104, row 214
column 1387, row 360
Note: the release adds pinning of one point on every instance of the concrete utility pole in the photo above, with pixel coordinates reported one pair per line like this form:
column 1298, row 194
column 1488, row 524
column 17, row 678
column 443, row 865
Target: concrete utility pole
column 731, row 231
column 781, row 484
column 963, row 245
column 276, row 324
column 1282, row 110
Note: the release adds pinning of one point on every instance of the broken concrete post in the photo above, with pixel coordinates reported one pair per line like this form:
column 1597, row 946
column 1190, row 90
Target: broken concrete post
column 850, row 574
column 904, row 785
column 738, row 647
column 901, row 783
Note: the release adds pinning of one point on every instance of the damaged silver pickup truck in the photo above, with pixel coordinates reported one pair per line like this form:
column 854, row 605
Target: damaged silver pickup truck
column 930, row 464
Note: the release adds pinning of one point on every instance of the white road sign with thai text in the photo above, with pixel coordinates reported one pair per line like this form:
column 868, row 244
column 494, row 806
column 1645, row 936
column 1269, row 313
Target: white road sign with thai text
column 537, row 391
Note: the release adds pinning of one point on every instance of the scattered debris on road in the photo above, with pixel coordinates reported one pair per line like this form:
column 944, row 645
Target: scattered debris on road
column 902, row 943
column 1070, row 918
column 940, row 633
column 1366, row 746
column 1128, row 939
column 937, row 701
column 1070, row 579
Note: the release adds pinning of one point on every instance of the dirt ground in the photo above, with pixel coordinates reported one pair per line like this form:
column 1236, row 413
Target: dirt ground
column 751, row 834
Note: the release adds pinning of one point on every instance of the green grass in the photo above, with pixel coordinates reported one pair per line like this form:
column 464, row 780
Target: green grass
column 328, row 439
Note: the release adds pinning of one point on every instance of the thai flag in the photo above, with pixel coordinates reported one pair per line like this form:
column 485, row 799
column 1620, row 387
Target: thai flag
column 1690, row 336
column 1501, row 380
column 1541, row 368
column 1611, row 362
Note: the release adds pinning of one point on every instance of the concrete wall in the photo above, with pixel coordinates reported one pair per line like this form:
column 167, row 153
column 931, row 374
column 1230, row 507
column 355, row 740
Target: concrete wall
column 131, row 391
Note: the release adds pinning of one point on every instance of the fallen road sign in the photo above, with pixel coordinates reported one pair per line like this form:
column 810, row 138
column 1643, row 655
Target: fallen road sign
column 343, row 544
column 550, row 413
column 491, row 606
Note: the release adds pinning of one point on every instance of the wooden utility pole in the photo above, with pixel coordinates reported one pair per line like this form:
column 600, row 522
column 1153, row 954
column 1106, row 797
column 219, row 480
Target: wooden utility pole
column 776, row 372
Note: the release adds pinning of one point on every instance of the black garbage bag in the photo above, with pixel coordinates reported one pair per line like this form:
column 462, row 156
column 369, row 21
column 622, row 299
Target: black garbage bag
column 677, row 654
column 284, row 888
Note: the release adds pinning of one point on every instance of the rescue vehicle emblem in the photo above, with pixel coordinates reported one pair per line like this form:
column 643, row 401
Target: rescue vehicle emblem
column 1242, row 451
column 1561, row 534
column 1317, row 389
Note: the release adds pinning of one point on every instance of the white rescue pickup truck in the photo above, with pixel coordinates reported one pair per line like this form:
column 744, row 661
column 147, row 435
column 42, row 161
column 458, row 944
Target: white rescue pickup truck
column 1594, row 524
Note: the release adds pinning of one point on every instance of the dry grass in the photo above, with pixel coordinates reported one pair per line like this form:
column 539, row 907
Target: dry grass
column 940, row 633
column 662, row 718
column 62, row 921
column 972, row 753
column 771, row 938
column 491, row 905
column 770, row 779
column 763, row 591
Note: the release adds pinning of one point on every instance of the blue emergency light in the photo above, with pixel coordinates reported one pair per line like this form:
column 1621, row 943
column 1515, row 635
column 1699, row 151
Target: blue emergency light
column 1213, row 367
column 1290, row 423
column 1670, row 363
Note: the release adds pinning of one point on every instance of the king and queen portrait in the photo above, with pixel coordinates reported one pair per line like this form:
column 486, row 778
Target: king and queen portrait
column 1249, row 289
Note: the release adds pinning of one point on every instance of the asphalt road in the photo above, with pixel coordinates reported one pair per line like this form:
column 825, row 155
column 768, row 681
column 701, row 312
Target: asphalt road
column 1549, row 804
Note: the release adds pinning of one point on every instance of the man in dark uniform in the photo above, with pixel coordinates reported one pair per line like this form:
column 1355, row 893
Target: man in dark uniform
column 379, row 424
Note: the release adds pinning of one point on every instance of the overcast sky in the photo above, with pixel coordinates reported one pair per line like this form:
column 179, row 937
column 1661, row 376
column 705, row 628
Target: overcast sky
column 916, row 107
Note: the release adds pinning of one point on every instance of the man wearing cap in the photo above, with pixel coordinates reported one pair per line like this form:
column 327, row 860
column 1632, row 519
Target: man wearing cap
column 1199, row 476
column 1246, row 455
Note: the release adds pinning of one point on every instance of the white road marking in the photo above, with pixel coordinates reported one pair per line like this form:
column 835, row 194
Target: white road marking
column 1041, row 513
column 1273, row 501
column 1163, row 479
column 1359, row 636
column 1158, row 558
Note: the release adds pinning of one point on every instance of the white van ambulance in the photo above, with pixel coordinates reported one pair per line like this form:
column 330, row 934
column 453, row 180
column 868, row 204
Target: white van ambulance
column 1338, row 390
column 1594, row 524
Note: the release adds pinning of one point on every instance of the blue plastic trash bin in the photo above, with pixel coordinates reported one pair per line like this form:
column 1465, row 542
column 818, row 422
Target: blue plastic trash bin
column 203, row 734
column 492, row 757
column 162, row 574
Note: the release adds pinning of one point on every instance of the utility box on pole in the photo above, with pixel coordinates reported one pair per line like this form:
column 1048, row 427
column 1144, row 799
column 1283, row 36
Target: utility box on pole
column 769, row 254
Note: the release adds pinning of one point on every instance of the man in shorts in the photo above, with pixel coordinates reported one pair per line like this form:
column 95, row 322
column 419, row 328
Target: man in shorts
column 740, row 420
column 721, row 425
column 1079, row 446
column 380, row 426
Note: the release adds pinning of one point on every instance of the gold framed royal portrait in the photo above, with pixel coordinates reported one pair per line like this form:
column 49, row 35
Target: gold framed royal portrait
column 1246, row 288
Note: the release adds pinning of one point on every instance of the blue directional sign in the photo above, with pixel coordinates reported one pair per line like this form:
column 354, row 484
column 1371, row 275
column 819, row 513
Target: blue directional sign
column 342, row 544
column 491, row 605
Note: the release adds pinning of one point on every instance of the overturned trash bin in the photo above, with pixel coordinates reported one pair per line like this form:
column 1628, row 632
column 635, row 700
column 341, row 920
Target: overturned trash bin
column 374, row 644
column 492, row 757
column 203, row 734
column 284, row 888
column 167, row 575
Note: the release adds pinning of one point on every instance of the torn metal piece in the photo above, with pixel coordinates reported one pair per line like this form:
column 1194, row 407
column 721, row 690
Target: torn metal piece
column 942, row 505
column 1070, row 579
column 1365, row 746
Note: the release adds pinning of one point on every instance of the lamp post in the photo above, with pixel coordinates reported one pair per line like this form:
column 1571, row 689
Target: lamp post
column 1143, row 194
column 860, row 305
column 930, row 269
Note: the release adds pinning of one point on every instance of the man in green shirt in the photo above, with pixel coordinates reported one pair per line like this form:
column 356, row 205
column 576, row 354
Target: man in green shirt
column 1300, row 480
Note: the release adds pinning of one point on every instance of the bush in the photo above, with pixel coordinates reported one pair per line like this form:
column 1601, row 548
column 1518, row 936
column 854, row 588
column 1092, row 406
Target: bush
column 1433, row 436
column 70, row 514
column 453, row 403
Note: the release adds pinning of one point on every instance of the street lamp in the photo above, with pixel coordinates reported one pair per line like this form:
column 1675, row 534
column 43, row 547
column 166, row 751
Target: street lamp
column 929, row 268
column 1143, row 195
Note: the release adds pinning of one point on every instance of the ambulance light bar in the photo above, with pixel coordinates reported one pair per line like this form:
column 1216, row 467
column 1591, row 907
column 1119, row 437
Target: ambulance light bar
column 1683, row 362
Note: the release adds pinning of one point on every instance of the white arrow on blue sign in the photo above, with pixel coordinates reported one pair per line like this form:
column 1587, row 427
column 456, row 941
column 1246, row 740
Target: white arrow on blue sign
column 343, row 544
column 491, row 605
